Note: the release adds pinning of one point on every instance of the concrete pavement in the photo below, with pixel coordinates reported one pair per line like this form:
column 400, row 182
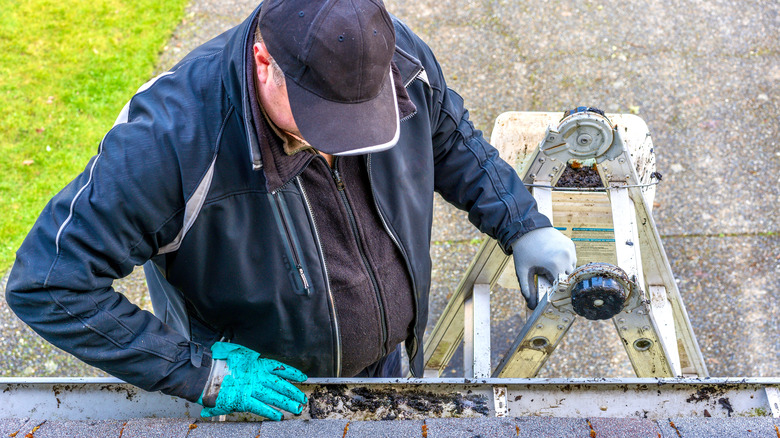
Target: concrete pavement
column 704, row 75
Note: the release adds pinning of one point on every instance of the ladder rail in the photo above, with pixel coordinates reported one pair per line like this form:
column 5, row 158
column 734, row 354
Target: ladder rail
column 447, row 334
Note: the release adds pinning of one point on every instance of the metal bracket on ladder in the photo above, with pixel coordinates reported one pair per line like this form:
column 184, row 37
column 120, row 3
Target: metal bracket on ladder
column 476, row 342
column 631, row 280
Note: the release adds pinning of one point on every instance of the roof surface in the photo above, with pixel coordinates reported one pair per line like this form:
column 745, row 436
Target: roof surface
column 430, row 428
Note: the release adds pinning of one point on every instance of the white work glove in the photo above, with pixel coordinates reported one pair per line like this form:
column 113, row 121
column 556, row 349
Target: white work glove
column 545, row 252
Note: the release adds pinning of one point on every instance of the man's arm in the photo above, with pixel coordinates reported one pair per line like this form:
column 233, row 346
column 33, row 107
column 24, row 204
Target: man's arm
column 468, row 171
column 115, row 215
column 470, row 174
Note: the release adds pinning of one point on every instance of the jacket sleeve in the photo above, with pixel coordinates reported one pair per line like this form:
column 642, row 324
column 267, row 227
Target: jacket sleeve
column 114, row 216
column 468, row 171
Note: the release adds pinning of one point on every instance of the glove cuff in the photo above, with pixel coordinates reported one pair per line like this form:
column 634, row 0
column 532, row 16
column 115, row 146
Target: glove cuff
column 217, row 374
column 527, row 226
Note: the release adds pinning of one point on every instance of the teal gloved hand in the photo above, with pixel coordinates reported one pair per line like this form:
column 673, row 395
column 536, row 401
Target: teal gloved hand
column 254, row 384
column 542, row 252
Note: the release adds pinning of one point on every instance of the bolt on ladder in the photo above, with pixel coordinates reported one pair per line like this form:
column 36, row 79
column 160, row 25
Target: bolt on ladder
column 624, row 274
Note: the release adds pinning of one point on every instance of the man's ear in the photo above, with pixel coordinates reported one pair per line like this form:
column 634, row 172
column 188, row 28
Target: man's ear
column 262, row 62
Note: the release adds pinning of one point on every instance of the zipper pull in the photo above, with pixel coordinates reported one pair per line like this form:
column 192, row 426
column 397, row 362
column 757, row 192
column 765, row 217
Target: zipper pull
column 304, row 280
column 339, row 181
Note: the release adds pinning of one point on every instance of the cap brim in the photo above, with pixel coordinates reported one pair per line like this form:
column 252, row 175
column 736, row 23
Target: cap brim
column 347, row 128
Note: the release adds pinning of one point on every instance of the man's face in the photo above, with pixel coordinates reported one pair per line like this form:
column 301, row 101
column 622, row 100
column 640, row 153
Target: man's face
column 272, row 91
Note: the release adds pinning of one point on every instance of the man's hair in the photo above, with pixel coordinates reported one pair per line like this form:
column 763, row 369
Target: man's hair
column 278, row 73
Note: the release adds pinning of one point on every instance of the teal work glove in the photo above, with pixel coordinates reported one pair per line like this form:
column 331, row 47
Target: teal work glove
column 544, row 252
column 253, row 384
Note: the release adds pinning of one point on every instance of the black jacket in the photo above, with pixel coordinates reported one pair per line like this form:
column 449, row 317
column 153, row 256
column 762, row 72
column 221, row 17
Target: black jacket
column 179, row 178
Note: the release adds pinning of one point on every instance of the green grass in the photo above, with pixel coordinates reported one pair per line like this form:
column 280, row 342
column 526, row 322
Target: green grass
column 66, row 70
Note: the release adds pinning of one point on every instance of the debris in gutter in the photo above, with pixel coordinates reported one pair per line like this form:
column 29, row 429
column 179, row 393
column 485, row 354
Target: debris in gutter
column 362, row 403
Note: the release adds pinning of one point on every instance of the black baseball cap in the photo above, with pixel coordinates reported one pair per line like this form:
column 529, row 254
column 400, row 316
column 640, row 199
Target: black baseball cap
column 335, row 55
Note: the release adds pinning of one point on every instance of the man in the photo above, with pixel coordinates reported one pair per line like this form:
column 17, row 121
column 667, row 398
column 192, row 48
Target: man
column 278, row 186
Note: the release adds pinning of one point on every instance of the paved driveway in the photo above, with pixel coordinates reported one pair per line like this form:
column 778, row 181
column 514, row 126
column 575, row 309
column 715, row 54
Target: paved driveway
column 704, row 75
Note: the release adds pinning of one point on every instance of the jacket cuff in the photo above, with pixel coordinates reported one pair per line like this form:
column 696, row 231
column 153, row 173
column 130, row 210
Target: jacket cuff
column 195, row 384
column 516, row 230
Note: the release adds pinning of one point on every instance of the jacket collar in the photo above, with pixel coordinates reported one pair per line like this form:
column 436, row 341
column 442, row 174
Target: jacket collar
column 235, row 62
column 409, row 67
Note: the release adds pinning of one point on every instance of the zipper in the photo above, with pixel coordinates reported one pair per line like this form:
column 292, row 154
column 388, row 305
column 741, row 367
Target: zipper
column 415, row 76
column 406, row 85
column 415, row 341
column 304, row 288
column 408, row 117
column 353, row 224
column 327, row 281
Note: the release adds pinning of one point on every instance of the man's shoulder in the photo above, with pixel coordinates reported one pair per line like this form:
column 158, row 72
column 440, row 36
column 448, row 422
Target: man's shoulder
column 411, row 53
column 405, row 38
column 211, row 49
